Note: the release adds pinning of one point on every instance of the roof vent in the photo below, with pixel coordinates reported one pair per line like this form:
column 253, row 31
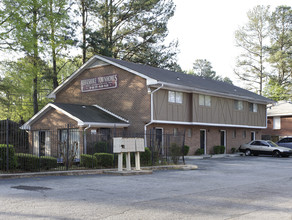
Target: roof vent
column 83, row 106
column 177, row 78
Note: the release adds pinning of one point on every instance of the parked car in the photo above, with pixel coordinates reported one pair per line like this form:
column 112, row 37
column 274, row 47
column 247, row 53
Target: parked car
column 264, row 147
column 285, row 142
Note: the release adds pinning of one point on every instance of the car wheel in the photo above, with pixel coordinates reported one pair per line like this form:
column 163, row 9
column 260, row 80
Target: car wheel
column 247, row 152
column 276, row 153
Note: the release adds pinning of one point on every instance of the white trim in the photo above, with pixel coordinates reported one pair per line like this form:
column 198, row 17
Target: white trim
column 104, row 125
column 107, row 111
column 207, row 124
column 279, row 114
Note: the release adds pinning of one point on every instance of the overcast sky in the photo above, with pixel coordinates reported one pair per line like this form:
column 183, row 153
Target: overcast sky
column 205, row 30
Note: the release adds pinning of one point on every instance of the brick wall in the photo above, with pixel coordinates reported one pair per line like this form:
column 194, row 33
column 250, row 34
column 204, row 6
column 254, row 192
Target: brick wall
column 212, row 136
column 130, row 100
column 286, row 127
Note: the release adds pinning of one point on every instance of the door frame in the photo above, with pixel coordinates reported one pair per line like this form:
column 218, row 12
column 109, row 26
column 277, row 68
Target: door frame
column 225, row 144
column 205, row 140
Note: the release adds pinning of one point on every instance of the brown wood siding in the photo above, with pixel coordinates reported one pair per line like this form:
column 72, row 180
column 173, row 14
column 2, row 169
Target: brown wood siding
column 166, row 111
column 221, row 111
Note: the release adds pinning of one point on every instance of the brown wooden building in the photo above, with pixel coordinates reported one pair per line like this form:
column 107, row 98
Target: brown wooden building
column 139, row 98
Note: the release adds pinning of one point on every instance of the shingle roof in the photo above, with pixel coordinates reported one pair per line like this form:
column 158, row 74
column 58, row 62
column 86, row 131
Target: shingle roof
column 282, row 108
column 89, row 113
column 190, row 81
column 84, row 115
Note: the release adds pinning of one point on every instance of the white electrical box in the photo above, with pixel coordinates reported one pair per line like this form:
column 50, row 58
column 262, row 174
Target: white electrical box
column 122, row 145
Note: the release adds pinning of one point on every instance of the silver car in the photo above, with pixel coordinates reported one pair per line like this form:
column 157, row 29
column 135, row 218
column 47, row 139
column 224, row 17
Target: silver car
column 264, row 147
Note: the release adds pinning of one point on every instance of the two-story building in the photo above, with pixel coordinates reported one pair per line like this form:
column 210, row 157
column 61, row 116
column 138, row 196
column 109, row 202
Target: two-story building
column 279, row 121
column 107, row 93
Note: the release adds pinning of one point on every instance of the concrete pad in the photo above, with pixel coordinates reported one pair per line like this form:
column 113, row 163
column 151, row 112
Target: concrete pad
column 128, row 173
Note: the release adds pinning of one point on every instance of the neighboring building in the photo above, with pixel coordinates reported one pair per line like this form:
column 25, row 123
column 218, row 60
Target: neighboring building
column 107, row 93
column 279, row 121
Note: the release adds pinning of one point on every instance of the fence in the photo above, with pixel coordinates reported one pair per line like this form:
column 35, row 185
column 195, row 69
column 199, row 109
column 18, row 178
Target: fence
column 71, row 148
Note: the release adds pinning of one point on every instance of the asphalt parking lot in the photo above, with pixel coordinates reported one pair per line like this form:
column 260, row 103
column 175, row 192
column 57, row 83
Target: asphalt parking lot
column 226, row 188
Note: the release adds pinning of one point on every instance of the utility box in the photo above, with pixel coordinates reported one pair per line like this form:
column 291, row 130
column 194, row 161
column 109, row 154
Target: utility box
column 123, row 145
column 128, row 145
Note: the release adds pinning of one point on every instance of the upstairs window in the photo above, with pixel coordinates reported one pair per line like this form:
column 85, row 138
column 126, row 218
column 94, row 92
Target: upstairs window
column 253, row 107
column 204, row 100
column 238, row 105
column 175, row 97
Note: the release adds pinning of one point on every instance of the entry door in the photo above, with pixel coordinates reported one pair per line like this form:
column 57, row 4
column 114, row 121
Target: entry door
column 223, row 139
column 203, row 140
column 252, row 136
column 159, row 139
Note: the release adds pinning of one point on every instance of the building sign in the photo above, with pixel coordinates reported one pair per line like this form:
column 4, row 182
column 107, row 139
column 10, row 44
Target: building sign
column 99, row 83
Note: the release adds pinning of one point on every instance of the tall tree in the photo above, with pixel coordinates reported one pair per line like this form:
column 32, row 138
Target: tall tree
column 252, row 39
column 86, row 10
column 17, row 94
column 25, row 28
column 203, row 68
column 281, row 44
column 134, row 30
column 60, row 33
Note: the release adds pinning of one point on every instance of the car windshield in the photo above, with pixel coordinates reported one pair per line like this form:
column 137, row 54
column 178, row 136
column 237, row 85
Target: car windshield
column 272, row 144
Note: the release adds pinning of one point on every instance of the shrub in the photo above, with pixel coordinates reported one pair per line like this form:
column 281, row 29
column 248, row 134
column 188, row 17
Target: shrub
column 175, row 152
column 186, row 150
column 104, row 159
column 219, row 149
column 89, row 161
column 48, row 162
column 11, row 157
column 29, row 162
column 233, row 150
column 145, row 157
column 199, row 151
column 100, row 147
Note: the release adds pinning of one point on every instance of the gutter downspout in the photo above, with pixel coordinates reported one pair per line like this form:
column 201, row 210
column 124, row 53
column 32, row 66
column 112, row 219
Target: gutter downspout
column 152, row 110
column 84, row 138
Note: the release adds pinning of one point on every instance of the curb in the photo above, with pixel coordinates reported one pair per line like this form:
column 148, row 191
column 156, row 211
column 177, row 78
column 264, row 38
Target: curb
column 214, row 156
column 145, row 170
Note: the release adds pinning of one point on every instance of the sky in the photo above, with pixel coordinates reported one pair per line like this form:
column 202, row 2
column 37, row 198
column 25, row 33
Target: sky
column 205, row 30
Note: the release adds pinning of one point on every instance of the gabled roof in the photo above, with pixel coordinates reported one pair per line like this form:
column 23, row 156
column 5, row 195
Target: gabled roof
column 170, row 79
column 84, row 115
column 282, row 108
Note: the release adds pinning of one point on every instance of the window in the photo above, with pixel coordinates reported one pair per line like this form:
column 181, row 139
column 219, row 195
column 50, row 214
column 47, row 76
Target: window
column 238, row 105
column 276, row 123
column 244, row 134
column 189, row 132
column 41, row 143
column 175, row 97
column 234, row 134
column 205, row 100
column 253, row 107
column 74, row 143
column 175, row 131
